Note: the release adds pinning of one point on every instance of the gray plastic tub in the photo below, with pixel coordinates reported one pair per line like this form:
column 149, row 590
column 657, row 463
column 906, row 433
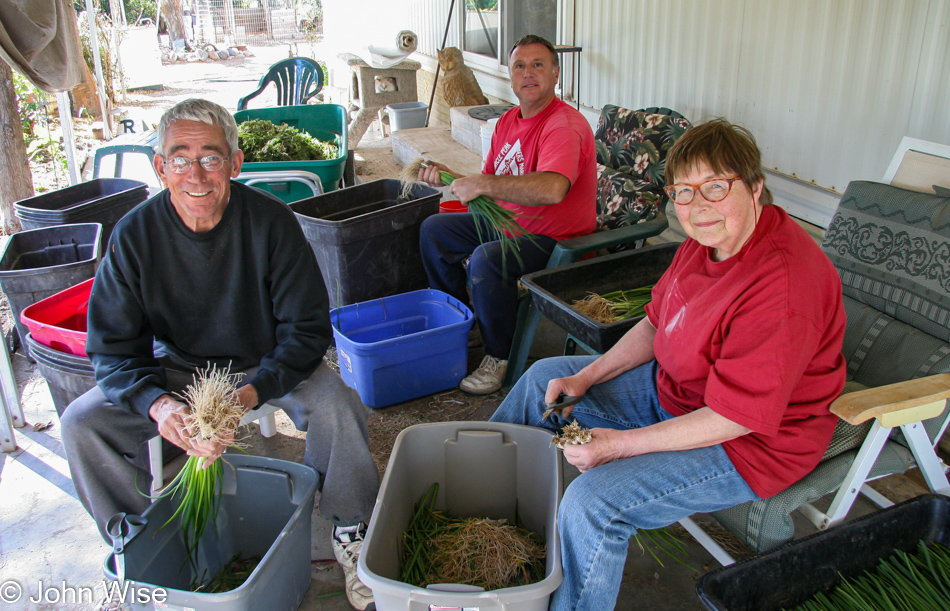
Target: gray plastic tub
column 484, row 469
column 68, row 376
column 407, row 115
column 266, row 509
column 366, row 238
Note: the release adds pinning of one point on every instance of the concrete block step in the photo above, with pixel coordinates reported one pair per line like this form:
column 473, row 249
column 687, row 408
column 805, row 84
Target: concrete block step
column 437, row 144
column 466, row 129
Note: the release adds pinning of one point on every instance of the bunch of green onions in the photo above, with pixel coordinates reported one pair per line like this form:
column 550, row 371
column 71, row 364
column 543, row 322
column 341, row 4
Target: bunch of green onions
column 500, row 223
column 901, row 582
column 477, row 551
column 232, row 575
column 195, row 489
column 215, row 415
column 418, row 552
column 617, row 305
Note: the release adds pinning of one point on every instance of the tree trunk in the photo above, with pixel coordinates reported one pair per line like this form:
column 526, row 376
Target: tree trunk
column 17, row 181
column 174, row 17
column 86, row 95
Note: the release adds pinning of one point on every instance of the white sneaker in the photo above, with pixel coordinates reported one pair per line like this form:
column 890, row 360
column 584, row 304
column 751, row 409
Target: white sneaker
column 347, row 543
column 487, row 378
column 113, row 600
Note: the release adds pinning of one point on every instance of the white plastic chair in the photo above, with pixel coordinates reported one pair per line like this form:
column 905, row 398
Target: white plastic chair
column 156, row 463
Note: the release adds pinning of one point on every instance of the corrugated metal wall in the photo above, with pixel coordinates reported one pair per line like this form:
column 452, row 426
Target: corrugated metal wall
column 829, row 87
column 427, row 19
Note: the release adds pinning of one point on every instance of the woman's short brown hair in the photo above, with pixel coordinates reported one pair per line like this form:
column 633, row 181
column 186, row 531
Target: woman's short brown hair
column 725, row 148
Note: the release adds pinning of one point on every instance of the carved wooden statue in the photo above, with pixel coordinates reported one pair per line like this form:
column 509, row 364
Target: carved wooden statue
column 459, row 87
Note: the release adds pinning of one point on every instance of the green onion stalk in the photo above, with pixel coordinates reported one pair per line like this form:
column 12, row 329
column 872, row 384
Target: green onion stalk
column 630, row 303
column 500, row 223
column 902, row 581
column 214, row 416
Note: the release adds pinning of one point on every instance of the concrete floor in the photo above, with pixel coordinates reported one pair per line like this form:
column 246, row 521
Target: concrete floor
column 48, row 543
column 47, row 540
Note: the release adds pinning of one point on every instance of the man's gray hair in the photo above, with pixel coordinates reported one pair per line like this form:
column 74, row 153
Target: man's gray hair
column 199, row 110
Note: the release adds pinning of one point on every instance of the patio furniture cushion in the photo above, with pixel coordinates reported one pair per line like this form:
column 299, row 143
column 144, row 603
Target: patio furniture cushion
column 624, row 200
column 631, row 160
column 635, row 142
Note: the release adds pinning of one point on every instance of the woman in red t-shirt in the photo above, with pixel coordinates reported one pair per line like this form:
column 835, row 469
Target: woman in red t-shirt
column 720, row 394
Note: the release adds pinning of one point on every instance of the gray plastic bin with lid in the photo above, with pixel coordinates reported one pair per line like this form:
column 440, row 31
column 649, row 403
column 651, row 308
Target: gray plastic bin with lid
column 39, row 263
column 484, row 469
column 407, row 115
column 68, row 376
column 366, row 238
column 266, row 509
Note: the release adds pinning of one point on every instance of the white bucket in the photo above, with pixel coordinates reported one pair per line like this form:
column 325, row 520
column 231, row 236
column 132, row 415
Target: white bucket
column 487, row 130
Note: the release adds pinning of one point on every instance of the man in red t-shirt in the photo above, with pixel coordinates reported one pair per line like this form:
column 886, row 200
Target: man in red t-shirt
column 542, row 166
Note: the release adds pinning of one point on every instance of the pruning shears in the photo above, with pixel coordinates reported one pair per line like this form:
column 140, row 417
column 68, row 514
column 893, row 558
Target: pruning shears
column 123, row 528
column 558, row 406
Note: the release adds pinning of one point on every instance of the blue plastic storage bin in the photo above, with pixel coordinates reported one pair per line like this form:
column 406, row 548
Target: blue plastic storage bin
column 402, row 347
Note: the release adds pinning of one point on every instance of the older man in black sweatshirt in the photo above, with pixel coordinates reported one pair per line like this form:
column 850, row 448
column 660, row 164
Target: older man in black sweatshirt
column 211, row 272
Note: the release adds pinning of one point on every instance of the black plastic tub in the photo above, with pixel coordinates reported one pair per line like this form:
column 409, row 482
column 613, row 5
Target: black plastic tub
column 554, row 290
column 793, row 573
column 366, row 242
column 42, row 262
column 67, row 376
column 103, row 200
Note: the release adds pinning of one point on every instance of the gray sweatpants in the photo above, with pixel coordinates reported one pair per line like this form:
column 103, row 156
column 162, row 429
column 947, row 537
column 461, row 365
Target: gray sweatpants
column 107, row 448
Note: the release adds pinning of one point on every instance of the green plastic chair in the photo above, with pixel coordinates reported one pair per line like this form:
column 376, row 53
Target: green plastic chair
column 127, row 144
column 631, row 205
column 297, row 80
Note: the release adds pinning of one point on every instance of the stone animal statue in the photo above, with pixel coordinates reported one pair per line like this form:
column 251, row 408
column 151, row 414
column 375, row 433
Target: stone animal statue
column 459, row 87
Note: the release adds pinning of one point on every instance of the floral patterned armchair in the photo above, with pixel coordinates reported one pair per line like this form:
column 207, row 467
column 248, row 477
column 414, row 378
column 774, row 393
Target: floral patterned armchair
column 631, row 160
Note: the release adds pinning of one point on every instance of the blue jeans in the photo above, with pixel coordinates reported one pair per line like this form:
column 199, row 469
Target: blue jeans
column 605, row 506
column 446, row 240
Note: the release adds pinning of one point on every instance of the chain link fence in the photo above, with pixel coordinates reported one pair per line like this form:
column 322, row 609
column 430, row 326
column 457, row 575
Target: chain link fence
column 239, row 22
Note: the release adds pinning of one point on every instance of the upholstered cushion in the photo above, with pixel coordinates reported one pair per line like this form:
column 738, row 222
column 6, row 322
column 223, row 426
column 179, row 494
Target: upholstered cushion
column 624, row 200
column 636, row 143
column 892, row 249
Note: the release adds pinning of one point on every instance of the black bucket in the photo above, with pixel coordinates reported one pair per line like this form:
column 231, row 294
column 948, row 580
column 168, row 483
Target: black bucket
column 42, row 262
column 68, row 376
column 366, row 239
column 103, row 201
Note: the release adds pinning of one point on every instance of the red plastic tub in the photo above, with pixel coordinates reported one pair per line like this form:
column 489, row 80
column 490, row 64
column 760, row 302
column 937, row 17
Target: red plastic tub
column 453, row 205
column 59, row 321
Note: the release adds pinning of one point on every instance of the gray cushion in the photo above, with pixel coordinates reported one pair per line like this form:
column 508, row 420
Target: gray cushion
column 892, row 249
